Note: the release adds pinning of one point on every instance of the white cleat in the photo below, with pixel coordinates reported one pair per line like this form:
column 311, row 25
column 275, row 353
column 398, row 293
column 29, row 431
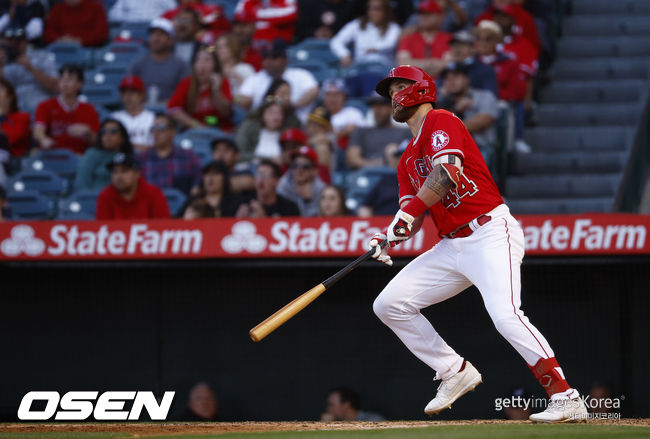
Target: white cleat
column 562, row 408
column 453, row 388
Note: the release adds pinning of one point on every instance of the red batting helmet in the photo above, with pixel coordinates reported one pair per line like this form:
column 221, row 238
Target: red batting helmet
column 421, row 91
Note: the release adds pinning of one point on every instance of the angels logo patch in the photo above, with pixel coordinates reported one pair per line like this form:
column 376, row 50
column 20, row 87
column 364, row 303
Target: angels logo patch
column 439, row 140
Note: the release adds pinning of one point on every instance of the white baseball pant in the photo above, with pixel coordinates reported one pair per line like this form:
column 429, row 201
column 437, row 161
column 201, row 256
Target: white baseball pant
column 489, row 258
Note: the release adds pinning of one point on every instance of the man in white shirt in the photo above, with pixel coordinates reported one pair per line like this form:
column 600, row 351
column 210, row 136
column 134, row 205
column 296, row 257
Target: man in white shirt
column 344, row 119
column 138, row 10
column 304, row 87
column 134, row 117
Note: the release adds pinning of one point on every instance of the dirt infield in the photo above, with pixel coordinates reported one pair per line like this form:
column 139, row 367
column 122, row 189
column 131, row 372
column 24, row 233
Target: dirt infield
column 146, row 429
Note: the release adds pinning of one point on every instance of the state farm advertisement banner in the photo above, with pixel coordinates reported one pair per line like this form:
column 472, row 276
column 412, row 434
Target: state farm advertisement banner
column 594, row 234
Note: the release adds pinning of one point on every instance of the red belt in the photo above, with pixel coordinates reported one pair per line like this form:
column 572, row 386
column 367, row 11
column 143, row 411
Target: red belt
column 466, row 230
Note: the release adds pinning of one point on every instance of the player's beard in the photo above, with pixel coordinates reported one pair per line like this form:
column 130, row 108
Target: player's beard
column 402, row 114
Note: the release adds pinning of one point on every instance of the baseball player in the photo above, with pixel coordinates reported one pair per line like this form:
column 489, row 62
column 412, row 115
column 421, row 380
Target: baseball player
column 442, row 171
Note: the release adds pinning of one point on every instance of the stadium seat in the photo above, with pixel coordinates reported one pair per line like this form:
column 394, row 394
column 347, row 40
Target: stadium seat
column 359, row 103
column 62, row 162
column 80, row 205
column 190, row 138
column 308, row 51
column 108, row 74
column 102, row 95
column 30, row 205
column 45, row 182
column 319, row 69
column 362, row 181
column 122, row 53
column 176, row 200
column 137, row 31
column 70, row 53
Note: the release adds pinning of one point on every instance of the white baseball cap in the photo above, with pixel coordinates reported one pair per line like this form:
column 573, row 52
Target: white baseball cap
column 163, row 24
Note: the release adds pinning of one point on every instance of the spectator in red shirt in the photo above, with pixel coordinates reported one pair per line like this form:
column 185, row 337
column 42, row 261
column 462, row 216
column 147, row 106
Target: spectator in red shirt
column 524, row 22
column 129, row 196
column 273, row 18
column 426, row 47
column 527, row 54
column 243, row 27
column 64, row 121
column 204, row 98
column 13, row 123
column 212, row 17
column 80, row 21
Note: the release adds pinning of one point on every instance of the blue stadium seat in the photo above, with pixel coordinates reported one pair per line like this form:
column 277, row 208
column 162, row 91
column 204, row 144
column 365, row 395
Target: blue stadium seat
column 70, row 53
column 45, row 182
column 108, row 74
column 30, row 205
column 301, row 53
column 137, row 31
column 319, row 69
column 176, row 200
column 79, row 206
column 102, row 95
column 359, row 103
column 62, row 162
column 122, row 53
column 192, row 137
column 361, row 182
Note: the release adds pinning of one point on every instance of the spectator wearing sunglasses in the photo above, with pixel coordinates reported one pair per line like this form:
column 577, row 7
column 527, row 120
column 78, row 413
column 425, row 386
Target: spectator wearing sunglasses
column 302, row 184
column 166, row 165
column 92, row 172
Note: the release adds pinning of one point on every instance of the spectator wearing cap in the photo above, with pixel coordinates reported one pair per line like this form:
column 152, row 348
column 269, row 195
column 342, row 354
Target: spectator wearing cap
column 304, row 87
column 129, row 196
column 369, row 145
column 426, row 47
column 92, row 173
column 344, row 119
column 212, row 18
column 322, row 139
column 267, row 202
column 187, row 28
column 129, row 11
column 524, row 22
column 230, row 54
column 290, row 140
column 215, row 190
column 15, row 125
column 321, row 19
column 481, row 76
column 166, row 165
column 203, row 99
column 243, row 28
column 77, row 21
column 137, row 120
column 159, row 68
column 225, row 150
column 374, row 36
column 478, row 109
column 259, row 136
column 302, row 184
column 527, row 55
column 31, row 71
column 25, row 14
column 273, row 18
column 65, row 121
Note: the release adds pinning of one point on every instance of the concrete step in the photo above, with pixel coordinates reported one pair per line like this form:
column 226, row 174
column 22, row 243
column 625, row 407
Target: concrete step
column 606, row 25
column 594, row 139
column 560, row 162
column 585, row 47
column 592, row 93
column 601, row 68
column 577, row 115
column 611, row 7
column 562, row 186
column 560, row 205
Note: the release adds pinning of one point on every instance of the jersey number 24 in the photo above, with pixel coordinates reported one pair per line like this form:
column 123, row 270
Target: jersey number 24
column 465, row 187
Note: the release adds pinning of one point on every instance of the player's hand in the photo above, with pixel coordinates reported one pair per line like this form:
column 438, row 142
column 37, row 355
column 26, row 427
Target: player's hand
column 381, row 254
column 400, row 228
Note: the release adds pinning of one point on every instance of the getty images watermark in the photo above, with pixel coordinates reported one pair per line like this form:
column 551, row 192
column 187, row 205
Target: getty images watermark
column 599, row 408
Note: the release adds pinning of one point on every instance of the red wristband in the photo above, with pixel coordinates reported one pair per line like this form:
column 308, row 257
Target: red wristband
column 415, row 207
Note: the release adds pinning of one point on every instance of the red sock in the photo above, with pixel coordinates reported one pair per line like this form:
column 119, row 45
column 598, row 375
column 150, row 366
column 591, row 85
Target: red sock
column 550, row 375
column 462, row 367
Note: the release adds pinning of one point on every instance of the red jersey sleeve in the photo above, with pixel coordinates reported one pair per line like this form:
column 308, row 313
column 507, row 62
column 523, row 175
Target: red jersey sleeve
column 406, row 189
column 179, row 97
column 444, row 135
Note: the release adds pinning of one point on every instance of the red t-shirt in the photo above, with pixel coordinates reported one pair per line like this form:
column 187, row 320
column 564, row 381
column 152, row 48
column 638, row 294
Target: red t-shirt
column 56, row 119
column 511, row 78
column 87, row 21
column 148, row 202
column 418, row 47
column 524, row 23
column 443, row 133
column 525, row 53
column 273, row 18
column 204, row 108
column 16, row 128
column 211, row 16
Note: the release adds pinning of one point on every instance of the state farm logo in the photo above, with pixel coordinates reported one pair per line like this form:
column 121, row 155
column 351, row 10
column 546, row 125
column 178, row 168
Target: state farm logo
column 22, row 240
column 439, row 140
column 244, row 237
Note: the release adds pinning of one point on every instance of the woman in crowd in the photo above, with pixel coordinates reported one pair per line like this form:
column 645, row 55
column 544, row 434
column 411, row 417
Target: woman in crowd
column 332, row 202
column 215, row 191
column 92, row 173
column 229, row 52
column 203, row 99
column 13, row 123
column 374, row 36
column 198, row 208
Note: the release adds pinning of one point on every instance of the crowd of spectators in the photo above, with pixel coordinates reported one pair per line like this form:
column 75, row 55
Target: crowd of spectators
column 281, row 133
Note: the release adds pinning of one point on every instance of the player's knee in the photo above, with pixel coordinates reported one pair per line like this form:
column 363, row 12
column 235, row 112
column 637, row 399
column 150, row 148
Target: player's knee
column 385, row 308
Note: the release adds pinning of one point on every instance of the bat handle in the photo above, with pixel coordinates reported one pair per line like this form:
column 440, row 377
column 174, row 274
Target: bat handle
column 352, row 265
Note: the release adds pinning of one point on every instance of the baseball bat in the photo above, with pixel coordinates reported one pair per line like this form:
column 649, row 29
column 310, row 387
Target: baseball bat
column 299, row 303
